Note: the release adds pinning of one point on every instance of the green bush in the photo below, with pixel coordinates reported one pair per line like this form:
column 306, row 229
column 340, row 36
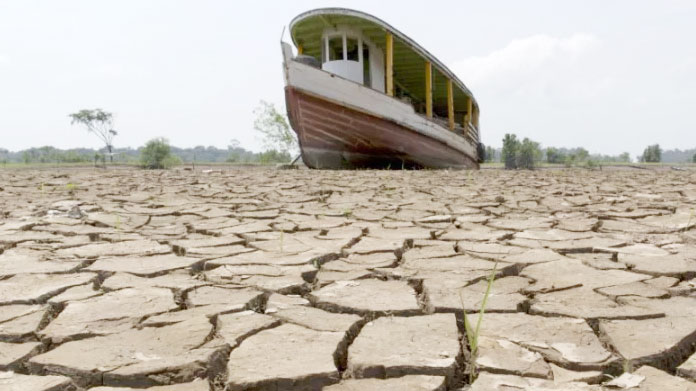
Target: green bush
column 158, row 155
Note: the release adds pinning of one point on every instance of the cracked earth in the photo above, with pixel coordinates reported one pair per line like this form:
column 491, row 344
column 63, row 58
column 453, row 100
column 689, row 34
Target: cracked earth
column 259, row 279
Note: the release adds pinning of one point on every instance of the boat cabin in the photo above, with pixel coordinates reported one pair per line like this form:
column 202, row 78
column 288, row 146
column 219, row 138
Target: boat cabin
column 366, row 50
column 346, row 53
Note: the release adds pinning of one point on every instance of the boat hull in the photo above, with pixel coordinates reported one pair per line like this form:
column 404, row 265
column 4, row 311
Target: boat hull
column 334, row 136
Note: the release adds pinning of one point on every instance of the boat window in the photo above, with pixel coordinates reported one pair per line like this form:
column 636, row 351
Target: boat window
column 335, row 48
column 352, row 49
column 367, row 80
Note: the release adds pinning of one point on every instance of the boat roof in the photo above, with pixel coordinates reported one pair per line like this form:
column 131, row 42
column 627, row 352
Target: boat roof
column 307, row 28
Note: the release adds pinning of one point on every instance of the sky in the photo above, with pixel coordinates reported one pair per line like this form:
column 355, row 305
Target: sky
column 608, row 75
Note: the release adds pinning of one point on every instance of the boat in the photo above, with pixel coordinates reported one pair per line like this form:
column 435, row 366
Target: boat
column 361, row 94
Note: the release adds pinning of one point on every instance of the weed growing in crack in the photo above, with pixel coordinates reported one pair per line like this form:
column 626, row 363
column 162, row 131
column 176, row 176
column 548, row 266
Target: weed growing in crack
column 472, row 335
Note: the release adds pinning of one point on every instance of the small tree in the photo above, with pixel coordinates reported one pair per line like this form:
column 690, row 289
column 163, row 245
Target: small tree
column 157, row 155
column 274, row 129
column 528, row 153
column 99, row 122
column 693, row 159
column 625, row 157
column 509, row 154
column 652, row 154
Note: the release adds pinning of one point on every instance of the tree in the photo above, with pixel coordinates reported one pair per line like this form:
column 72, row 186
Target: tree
column 625, row 157
column 652, row 154
column 693, row 159
column 528, row 153
column 274, row 128
column 581, row 154
column 554, row 156
column 509, row 154
column 99, row 122
column 157, row 155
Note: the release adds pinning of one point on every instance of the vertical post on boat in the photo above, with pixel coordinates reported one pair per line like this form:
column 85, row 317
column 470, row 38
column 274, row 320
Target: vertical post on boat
column 428, row 89
column 450, row 104
column 467, row 116
column 300, row 49
column 390, row 64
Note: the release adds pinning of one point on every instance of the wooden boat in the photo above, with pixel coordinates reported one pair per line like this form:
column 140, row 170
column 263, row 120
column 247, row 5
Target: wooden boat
column 359, row 93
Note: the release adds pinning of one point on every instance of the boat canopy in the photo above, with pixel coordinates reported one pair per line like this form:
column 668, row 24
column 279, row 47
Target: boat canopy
column 406, row 70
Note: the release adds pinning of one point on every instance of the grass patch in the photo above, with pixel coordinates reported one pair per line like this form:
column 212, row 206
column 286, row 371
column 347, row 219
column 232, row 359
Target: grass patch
column 472, row 334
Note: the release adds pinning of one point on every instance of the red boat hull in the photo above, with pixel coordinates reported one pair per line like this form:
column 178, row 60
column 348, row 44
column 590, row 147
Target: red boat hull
column 332, row 136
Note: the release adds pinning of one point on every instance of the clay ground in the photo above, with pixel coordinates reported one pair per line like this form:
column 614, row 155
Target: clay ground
column 261, row 279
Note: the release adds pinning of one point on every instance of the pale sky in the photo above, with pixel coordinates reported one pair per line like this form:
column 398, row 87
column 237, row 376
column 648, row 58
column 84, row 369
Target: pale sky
column 610, row 76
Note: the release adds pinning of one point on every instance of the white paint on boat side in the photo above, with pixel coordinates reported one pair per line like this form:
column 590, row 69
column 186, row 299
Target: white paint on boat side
column 333, row 88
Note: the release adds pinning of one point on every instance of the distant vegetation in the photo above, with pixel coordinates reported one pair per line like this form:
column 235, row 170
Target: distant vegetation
column 525, row 154
column 678, row 155
column 517, row 154
column 652, row 154
column 492, row 155
column 199, row 154
column 157, row 154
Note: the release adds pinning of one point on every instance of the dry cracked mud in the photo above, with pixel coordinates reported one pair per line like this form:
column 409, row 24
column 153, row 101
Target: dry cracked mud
column 263, row 279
